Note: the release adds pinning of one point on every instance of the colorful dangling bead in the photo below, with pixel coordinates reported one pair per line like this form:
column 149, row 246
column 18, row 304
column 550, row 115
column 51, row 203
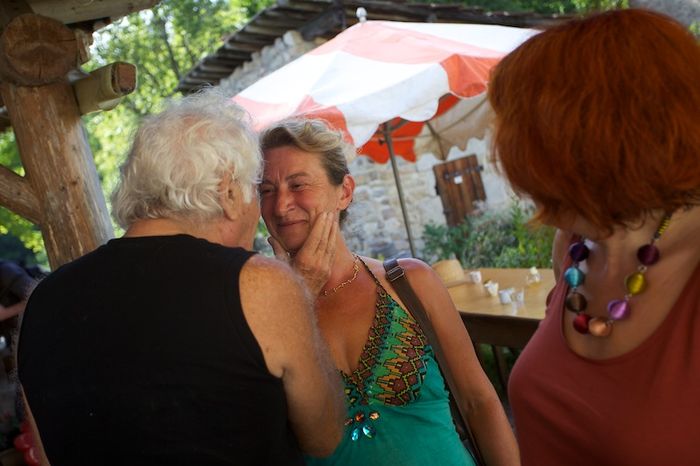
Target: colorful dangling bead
column 579, row 251
column 574, row 277
column 635, row 283
column 618, row 309
column 599, row 327
column 648, row 254
column 576, row 302
column 581, row 323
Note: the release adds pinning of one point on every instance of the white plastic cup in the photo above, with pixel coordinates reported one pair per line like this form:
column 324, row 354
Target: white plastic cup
column 475, row 276
column 506, row 296
column 491, row 288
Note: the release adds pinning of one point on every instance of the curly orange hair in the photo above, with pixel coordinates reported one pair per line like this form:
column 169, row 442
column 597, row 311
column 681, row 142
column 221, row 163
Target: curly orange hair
column 600, row 117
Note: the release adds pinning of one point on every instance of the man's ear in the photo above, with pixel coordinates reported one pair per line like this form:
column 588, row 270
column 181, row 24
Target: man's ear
column 230, row 197
column 347, row 190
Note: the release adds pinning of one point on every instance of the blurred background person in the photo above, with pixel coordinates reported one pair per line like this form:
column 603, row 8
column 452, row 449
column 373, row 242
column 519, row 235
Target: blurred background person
column 175, row 344
column 598, row 122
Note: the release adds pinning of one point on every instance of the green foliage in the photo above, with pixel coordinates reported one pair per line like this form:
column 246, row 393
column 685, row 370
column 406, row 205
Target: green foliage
column 12, row 249
column 695, row 29
column 492, row 239
column 11, row 223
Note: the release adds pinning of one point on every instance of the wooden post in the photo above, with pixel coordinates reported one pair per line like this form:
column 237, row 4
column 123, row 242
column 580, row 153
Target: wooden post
column 36, row 54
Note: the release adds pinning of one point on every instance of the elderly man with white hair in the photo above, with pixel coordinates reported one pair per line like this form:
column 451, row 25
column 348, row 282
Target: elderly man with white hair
column 175, row 344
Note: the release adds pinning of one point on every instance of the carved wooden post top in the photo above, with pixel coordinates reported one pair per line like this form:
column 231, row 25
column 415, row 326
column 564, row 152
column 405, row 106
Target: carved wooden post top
column 36, row 50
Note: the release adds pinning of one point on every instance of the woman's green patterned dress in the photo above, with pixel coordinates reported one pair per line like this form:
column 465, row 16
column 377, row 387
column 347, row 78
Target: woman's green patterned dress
column 398, row 408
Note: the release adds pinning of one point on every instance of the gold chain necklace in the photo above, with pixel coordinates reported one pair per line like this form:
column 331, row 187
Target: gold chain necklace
column 355, row 271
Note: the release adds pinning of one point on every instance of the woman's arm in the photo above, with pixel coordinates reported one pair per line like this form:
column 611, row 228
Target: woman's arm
column 474, row 391
column 283, row 321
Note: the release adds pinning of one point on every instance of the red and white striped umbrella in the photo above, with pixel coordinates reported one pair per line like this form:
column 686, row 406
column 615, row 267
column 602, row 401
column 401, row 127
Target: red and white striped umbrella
column 381, row 71
column 398, row 75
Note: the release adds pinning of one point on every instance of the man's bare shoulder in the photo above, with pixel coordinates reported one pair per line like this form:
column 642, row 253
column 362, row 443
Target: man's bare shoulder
column 268, row 286
column 261, row 271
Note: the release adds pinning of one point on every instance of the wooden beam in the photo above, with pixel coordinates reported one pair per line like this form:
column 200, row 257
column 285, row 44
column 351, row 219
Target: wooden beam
column 326, row 21
column 105, row 87
column 239, row 47
column 277, row 14
column 225, row 53
column 253, row 38
column 58, row 164
column 16, row 194
column 76, row 11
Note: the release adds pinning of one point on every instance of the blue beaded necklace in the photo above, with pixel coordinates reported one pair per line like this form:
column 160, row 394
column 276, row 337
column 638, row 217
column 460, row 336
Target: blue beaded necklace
column 618, row 309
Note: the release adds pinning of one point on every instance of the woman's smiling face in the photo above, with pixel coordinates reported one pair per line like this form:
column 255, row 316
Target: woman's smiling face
column 295, row 189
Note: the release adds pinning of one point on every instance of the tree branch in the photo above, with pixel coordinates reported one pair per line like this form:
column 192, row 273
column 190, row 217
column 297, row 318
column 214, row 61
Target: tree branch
column 160, row 24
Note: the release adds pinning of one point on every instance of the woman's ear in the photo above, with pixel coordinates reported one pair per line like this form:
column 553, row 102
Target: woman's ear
column 347, row 189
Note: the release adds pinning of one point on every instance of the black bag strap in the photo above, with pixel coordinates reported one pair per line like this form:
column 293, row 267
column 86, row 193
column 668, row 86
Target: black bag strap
column 397, row 277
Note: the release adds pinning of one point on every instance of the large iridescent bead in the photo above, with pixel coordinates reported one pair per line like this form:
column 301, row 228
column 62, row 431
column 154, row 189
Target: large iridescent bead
column 574, row 277
column 576, row 302
column 581, row 323
column 648, row 254
column 599, row 327
column 368, row 430
column 355, row 434
column 578, row 251
column 618, row 309
column 635, row 283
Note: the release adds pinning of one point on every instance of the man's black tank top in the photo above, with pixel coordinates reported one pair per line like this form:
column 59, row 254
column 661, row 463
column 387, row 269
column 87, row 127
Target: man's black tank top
column 139, row 354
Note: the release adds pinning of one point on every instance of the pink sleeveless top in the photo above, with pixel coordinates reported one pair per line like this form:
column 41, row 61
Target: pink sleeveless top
column 638, row 409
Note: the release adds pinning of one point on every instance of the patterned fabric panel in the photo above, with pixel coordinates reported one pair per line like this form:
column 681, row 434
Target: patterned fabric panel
column 392, row 361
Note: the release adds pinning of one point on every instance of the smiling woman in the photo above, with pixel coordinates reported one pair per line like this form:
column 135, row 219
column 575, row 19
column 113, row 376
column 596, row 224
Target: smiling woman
column 392, row 382
column 294, row 191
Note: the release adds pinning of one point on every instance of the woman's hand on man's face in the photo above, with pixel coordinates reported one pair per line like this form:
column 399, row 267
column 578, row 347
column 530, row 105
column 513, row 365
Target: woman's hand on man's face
column 315, row 258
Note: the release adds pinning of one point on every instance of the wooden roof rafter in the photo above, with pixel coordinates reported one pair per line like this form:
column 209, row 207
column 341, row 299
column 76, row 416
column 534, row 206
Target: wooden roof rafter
column 326, row 18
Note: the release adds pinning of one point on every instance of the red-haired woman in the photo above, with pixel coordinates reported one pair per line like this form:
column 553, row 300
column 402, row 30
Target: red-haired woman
column 598, row 122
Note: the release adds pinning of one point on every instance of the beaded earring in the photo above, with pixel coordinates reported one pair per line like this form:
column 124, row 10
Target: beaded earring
column 618, row 309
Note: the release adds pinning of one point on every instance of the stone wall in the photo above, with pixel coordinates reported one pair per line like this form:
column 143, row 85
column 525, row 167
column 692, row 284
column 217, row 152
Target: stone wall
column 375, row 225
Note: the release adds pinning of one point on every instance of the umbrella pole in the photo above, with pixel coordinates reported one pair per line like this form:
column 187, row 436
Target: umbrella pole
column 392, row 157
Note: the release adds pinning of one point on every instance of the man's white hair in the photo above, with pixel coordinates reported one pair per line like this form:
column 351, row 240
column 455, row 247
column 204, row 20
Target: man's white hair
column 180, row 156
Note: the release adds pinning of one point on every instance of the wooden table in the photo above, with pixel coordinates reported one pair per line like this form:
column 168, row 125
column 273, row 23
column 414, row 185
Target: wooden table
column 501, row 325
